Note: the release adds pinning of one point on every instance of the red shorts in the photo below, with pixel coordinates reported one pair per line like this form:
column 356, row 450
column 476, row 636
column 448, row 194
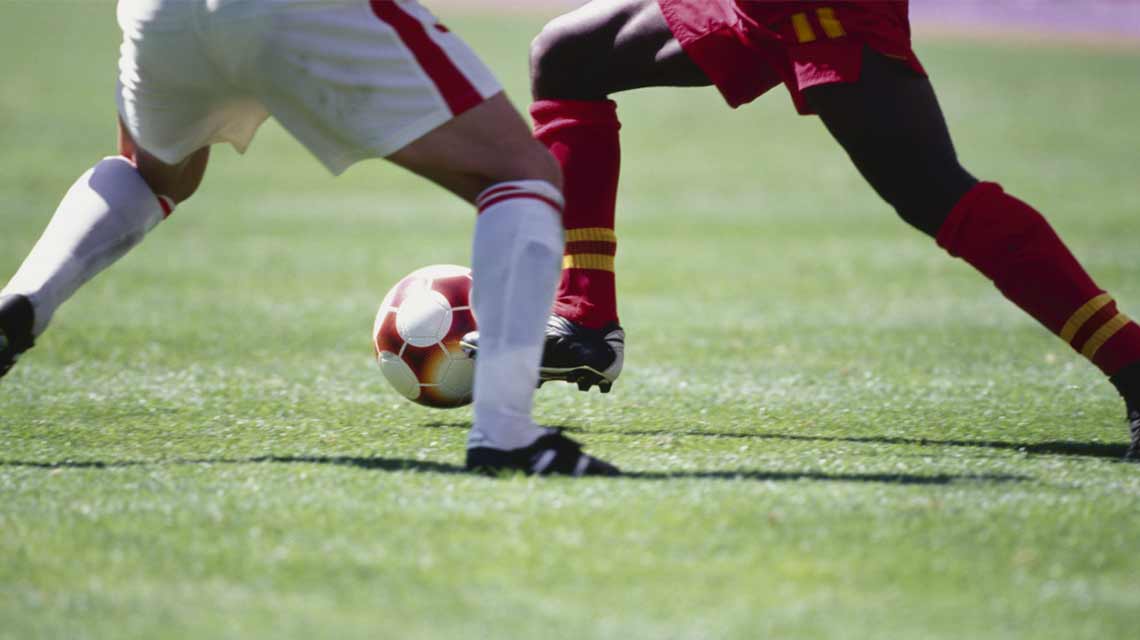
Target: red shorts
column 746, row 47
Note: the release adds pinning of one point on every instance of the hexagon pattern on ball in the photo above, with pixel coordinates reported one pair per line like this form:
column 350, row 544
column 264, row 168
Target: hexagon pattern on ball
column 416, row 336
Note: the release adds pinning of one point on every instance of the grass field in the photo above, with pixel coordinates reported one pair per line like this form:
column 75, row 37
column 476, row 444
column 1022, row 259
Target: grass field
column 834, row 430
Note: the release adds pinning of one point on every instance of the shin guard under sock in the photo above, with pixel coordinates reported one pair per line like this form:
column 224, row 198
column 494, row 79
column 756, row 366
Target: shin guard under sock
column 1013, row 245
column 583, row 136
column 105, row 213
column 515, row 263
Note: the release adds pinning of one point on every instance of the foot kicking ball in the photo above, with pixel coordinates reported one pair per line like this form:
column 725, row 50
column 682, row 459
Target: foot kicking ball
column 417, row 332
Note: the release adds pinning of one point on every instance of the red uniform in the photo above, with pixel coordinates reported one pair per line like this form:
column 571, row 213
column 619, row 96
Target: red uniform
column 746, row 47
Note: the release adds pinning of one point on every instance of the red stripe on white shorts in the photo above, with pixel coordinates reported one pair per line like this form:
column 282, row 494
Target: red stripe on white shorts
column 457, row 91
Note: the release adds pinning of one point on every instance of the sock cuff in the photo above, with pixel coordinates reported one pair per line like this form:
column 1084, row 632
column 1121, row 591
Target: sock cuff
column 167, row 204
column 123, row 164
column 540, row 190
column 552, row 115
column 112, row 160
column 949, row 236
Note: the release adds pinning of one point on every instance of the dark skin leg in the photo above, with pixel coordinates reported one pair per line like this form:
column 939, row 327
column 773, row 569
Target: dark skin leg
column 889, row 122
column 891, row 126
column 609, row 46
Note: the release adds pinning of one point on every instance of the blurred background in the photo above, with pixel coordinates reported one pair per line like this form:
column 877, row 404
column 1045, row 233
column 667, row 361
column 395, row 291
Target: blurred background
column 845, row 434
column 1092, row 19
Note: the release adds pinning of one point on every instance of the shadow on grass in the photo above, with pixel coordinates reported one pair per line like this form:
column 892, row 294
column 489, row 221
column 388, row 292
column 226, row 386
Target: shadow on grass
column 375, row 463
column 791, row 476
column 372, row 463
column 1055, row 447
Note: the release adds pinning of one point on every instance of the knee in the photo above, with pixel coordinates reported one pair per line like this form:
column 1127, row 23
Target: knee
column 921, row 217
column 529, row 161
column 177, row 182
column 924, row 199
column 561, row 62
column 544, row 166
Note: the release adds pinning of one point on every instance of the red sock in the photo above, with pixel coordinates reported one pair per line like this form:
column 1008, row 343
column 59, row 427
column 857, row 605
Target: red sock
column 583, row 136
column 1013, row 245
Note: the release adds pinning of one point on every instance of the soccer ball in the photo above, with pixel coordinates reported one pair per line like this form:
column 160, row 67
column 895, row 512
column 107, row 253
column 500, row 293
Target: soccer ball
column 417, row 332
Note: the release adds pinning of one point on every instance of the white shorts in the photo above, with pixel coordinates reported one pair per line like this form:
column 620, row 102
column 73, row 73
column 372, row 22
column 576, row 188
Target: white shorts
column 350, row 79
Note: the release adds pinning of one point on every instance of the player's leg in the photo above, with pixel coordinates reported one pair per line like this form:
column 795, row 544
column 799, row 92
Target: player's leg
column 609, row 46
column 891, row 125
column 172, row 107
column 418, row 96
column 173, row 182
column 577, row 61
column 478, row 149
column 104, row 214
column 487, row 156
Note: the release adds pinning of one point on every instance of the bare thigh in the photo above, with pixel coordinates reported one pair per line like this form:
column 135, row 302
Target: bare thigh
column 893, row 129
column 484, row 146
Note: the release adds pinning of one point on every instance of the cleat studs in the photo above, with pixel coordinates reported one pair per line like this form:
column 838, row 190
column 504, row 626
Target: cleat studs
column 583, row 385
column 605, row 387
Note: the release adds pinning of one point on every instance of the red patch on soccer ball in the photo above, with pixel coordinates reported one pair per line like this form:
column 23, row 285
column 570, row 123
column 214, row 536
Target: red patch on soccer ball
column 417, row 332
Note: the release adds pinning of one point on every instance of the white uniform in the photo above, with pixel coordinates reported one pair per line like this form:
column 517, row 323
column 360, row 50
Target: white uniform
column 350, row 79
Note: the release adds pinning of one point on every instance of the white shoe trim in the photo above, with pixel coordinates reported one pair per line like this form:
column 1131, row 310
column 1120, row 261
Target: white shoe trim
column 583, row 463
column 544, row 461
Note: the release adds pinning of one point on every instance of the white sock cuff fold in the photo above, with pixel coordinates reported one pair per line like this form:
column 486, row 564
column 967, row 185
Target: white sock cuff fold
column 529, row 189
column 126, row 166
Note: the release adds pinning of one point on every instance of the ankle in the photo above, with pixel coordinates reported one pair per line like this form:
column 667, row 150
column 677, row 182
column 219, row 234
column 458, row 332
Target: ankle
column 1127, row 383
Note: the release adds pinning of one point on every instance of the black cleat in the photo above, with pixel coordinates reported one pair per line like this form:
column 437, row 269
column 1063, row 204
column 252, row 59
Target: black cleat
column 552, row 454
column 1133, row 454
column 16, row 317
column 582, row 355
column 575, row 354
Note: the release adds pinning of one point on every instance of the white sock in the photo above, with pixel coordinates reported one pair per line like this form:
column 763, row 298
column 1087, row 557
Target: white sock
column 516, row 264
column 105, row 213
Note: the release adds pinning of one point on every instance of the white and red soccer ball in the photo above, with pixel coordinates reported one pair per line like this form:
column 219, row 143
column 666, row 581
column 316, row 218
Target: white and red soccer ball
column 417, row 333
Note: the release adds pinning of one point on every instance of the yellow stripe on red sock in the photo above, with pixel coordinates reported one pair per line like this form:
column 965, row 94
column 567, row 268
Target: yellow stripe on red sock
column 595, row 261
column 1104, row 334
column 580, row 247
column 1082, row 315
column 590, row 248
column 591, row 234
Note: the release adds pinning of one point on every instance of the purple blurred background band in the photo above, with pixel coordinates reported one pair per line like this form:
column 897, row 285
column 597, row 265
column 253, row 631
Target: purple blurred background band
column 1116, row 18
column 1086, row 19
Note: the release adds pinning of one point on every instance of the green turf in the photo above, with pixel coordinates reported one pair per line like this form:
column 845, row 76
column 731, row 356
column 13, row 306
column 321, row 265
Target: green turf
column 835, row 430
